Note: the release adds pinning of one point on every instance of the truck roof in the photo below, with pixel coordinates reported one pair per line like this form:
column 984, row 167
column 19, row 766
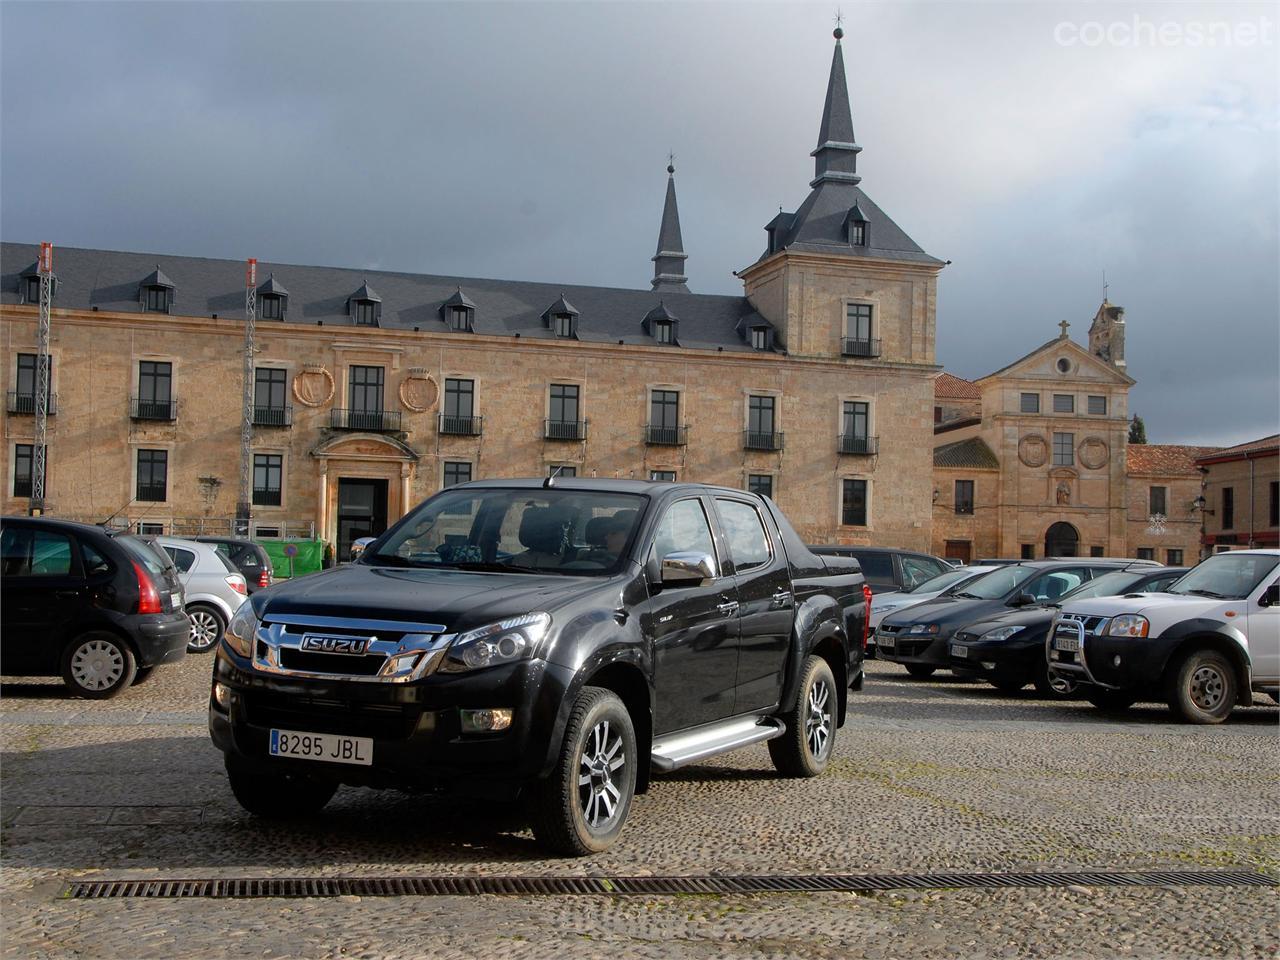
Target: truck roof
column 653, row 487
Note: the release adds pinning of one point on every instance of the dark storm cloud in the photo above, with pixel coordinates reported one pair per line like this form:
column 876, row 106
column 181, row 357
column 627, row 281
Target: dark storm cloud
column 527, row 141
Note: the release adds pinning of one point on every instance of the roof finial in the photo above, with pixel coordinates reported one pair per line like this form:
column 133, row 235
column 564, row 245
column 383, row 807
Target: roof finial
column 1104, row 286
column 1063, row 327
column 838, row 33
column 671, row 162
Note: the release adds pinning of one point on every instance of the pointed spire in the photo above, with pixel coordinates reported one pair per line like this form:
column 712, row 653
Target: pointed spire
column 668, row 262
column 836, row 156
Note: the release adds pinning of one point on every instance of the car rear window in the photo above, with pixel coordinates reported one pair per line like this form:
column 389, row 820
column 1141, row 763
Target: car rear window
column 143, row 554
column 231, row 567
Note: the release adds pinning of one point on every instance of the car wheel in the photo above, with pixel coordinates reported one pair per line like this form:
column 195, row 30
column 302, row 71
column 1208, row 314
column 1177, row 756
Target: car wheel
column 1008, row 685
column 1054, row 686
column 1203, row 687
column 1111, row 701
column 140, row 677
column 582, row 806
column 267, row 791
column 98, row 666
column 207, row 626
column 920, row 670
column 803, row 751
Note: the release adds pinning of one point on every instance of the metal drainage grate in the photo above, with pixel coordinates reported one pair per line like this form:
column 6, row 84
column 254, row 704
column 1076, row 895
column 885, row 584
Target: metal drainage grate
column 299, row 887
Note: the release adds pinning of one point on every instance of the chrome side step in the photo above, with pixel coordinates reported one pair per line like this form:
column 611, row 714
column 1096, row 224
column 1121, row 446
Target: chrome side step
column 689, row 746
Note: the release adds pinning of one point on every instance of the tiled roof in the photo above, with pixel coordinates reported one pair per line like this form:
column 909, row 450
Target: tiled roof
column 955, row 388
column 972, row 453
column 108, row 280
column 1164, row 459
column 1266, row 444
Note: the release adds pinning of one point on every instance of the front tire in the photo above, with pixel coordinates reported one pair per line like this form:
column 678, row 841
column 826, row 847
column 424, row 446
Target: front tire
column 276, row 794
column 803, row 751
column 98, row 666
column 1203, row 688
column 582, row 806
column 921, row 671
column 207, row 626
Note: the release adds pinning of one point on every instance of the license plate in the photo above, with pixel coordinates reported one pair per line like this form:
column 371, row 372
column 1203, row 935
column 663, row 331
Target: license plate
column 330, row 747
column 885, row 640
column 1071, row 644
column 959, row 650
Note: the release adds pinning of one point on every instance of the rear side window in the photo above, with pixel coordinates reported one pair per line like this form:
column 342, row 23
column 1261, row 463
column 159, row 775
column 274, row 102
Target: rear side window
column 94, row 562
column 29, row 552
column 877, row 567
column 748, row 541
column 184, row 560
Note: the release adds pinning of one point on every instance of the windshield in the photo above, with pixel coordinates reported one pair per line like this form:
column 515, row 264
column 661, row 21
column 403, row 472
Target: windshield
column 1108, row 585
column 943, row 580
column 997, row 583
column 1226, row 576
column 569, row 532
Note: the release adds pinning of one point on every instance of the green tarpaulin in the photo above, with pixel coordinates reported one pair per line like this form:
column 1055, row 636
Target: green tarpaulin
column 309, row 559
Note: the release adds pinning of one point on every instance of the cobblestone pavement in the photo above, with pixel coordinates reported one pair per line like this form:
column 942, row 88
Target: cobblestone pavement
column 939, row 775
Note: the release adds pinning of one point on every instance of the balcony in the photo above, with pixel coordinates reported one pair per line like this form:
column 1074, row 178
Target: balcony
column 151, row 493
column 453, row 425
column 25, row 403
column 859, row 348
column 858, row 445
column 273, row 416
column 370, row 421
column 659, row 436
column 152, row 409
column 266, row 496
column 756, row 440
column 22, row 486
column 565, row 429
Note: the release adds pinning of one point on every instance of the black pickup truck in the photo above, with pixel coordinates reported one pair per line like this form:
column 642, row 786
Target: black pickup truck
column 554, row 641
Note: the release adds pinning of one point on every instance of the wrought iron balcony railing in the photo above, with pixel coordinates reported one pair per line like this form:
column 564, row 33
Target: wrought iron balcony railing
column 857, row 444
column 266, row 496
column 26, row 403
column 851, row 347
column 151, row 492
column 565, row 430
column 756, row 440
column 461, row 426
column 659, row 436
column 273, row 416
column 152, row 409
column 371, row 421
column 22, row 486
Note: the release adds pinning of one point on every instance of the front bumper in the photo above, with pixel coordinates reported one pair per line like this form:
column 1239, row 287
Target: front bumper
column 418, row 743
column 990, row 660
column 162, row 638
column 912, row 649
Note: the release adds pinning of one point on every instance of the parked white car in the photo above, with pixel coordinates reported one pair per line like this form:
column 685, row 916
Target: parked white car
column 214, row 589
column 885, row 603
column 1204, row 646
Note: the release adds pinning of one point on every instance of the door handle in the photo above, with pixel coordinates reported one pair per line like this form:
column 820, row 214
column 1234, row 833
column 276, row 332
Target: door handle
column 730, row 607
column 782, row 598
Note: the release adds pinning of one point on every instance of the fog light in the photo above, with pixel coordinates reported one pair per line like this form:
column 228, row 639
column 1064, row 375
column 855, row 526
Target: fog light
column 222, row 696
column 1115, row 661
column 485, row 721
column 988, row 666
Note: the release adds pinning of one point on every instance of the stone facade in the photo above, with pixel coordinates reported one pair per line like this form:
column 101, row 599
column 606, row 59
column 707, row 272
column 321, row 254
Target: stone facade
column 1248, row 516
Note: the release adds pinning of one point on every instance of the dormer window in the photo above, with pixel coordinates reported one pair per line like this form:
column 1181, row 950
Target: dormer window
column 562, row 319
column 759, row 338
column 856, row 227
column 564, row 325
column 660, row 323
column 31, row 290
column 664, row 331
column 364, row 306
column 156, row 292
column 459, row 312
column 273, row 299
column 458, row 319
column 158, row 299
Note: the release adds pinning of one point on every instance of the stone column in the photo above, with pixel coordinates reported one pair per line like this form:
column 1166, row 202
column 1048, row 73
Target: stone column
column 322, row 502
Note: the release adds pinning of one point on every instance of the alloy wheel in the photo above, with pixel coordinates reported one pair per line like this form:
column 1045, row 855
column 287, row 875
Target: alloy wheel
column 603, row 757
column 817, row 724
column 204, row 629
column 97, row 665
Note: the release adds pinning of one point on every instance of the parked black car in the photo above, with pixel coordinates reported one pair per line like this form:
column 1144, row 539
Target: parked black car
column 251, row 559
column 99, row 609
column 888, row 568
column 917, row 637
column 551, row 640
column 1007, row 649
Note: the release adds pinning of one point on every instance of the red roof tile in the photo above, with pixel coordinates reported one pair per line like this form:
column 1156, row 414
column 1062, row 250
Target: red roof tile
column 1242, row 450
column 955, row 388
column 1165, row 459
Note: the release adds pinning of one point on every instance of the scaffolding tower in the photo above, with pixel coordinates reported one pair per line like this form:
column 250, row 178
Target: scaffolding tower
column 39, row 455
column 244, row 509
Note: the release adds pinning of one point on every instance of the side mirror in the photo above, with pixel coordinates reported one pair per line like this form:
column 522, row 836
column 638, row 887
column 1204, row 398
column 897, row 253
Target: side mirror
column 687, row 569
column 1270, row 596
column 1022, row 600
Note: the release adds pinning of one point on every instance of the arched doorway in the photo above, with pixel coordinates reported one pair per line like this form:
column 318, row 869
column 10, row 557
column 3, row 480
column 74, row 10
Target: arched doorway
column 364, row 484
column 1062, row 540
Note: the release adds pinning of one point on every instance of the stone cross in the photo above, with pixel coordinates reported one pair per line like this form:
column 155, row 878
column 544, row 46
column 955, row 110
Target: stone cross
column 1063, row 325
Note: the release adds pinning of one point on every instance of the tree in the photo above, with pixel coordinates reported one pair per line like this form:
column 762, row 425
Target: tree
column 1137, row 430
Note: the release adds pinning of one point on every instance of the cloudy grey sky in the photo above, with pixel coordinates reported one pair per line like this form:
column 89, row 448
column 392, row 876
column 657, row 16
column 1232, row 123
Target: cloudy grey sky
column 528, row 141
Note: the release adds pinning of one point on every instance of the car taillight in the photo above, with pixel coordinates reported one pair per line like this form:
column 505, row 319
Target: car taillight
column 236, row 583
column 148, row 595
column 264, row 579
column 866, row 618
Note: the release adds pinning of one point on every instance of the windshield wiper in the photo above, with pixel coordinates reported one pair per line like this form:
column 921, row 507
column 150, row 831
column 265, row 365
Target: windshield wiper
column 485, row 567
column 967, row 596
column 1209, row 593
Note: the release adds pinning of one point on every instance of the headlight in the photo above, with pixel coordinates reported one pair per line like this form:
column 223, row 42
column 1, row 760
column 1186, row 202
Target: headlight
column 928, row 628
column 505, row 642
column 1000, row 633
column 1128, row 625
column 241, row 630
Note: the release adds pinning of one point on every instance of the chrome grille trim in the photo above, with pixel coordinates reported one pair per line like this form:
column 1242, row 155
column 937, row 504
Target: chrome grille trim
column 352, row 623
column 273, row 636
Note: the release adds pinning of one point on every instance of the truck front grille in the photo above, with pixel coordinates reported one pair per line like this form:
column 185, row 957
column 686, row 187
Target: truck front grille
column 323, row 715
column 338, row 664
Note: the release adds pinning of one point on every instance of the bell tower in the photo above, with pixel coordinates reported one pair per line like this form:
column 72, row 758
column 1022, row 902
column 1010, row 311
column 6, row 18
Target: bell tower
column 1106, row 335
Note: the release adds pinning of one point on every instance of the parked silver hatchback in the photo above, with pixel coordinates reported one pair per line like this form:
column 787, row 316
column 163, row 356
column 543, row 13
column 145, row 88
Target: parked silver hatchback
column 214, row 589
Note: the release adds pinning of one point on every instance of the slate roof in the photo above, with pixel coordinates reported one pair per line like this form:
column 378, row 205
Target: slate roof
column 972, row 453
column 108, row 280
column 1242, row 451
column 1164, row 459
column 950, row 387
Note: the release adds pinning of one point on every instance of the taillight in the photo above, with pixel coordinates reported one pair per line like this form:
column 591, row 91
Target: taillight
column 148, row 595
column 236, row 583
column 866, row 614
column 264, row 579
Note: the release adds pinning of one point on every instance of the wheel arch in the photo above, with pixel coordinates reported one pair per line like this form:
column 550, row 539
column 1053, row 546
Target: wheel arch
column 1228, row 647
column 628, row 682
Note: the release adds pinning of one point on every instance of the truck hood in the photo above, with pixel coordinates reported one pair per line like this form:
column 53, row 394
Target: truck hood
column 455, row 599
column 1186, row 605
